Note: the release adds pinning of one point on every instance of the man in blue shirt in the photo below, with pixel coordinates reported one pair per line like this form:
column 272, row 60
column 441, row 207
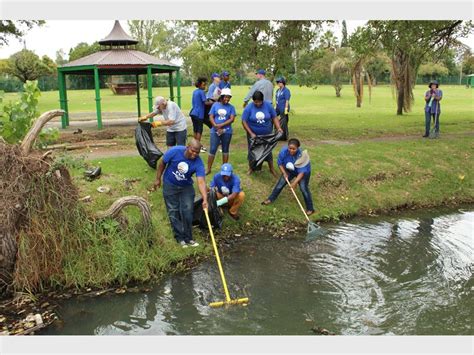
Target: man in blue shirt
column 228, row 186
column 176, row 167
column 225, row 83
column 287, row 162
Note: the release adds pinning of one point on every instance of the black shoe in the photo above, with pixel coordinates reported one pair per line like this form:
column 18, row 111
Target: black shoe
column 425, row 136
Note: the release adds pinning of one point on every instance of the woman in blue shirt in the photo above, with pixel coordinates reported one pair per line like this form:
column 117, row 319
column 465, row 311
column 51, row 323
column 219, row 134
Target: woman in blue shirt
column 258, row 119
column 222, row 115
column 197, row 113
column 300, row 176
column 282, row 107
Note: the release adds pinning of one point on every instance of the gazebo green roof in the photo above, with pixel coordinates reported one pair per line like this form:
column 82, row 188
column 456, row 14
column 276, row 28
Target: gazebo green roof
column 117, row 57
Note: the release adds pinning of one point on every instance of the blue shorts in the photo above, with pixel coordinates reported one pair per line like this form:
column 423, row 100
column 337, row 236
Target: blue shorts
column 176, row 138
column 223, row 140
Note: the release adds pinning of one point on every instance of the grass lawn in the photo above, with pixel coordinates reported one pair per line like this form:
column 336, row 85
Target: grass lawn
column 355, row 176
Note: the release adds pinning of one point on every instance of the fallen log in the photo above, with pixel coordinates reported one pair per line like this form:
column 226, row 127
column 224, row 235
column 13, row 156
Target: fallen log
column 80, row 146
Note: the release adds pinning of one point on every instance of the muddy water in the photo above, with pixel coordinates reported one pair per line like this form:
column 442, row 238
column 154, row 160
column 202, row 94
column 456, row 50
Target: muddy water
column 399, row 275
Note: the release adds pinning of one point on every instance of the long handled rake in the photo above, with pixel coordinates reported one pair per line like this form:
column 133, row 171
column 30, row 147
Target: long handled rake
column 227, row 301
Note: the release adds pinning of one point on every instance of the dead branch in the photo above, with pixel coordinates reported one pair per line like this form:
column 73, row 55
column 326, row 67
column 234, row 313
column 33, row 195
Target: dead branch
column 116, row 207
column 36, row 129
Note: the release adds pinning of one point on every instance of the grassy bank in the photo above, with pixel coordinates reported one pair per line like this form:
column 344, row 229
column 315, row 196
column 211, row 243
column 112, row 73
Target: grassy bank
column 353, row 174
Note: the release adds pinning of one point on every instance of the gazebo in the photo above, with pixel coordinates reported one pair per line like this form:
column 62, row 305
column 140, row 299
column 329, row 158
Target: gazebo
column 117, row 56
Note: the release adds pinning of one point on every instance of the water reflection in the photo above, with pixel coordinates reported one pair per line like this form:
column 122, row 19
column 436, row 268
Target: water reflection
column 410, row 275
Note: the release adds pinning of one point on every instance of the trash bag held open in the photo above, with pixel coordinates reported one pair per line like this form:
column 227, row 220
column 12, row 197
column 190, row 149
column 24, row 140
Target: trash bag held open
column 261, row 147
column 145, row 144
column 215, row 213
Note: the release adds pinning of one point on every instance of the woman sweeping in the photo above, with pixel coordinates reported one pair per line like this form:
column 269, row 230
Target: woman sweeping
column 288, row 159
column 258, row 119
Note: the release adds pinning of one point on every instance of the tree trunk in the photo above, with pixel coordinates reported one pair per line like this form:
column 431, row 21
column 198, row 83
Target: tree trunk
column 403, row 77
column 358, row 82
column 338, row 88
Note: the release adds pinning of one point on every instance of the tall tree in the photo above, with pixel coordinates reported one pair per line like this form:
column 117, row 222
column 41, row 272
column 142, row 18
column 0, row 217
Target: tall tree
column 26, row 65
column 83, row 49
column 407, row 43
column 344, row 41
column 16, row 29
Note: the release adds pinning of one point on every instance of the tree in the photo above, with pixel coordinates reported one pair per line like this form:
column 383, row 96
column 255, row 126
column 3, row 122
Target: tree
column 328, row 40
column 408, row 43
column 199, row 61
column 340, row 69
column 26, row 65
column 16, row 29
column 468, row 64
column 344, row 41
column 432, row 70
column 163, row 39
column 83, row 49
column 60, row 57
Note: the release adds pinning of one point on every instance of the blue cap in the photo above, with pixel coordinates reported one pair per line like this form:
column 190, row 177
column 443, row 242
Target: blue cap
column 261, row 71
column 215, row 75
column 433, row 82
column 226, row 169
column 225, row 73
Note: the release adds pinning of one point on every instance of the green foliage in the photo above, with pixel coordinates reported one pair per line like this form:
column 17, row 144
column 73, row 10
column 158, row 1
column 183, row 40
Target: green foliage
column 468, row 65
column 16, row 28
column 432, row 70
column 198, row 61
column 83, row 49
column 27, row 66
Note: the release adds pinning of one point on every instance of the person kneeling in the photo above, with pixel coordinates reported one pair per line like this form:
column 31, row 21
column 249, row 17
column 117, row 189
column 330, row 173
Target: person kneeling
column 228, row 188
column 288, row 159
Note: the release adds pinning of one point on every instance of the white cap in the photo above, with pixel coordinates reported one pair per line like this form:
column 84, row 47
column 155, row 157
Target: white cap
column 226, row 92
column 159, row 100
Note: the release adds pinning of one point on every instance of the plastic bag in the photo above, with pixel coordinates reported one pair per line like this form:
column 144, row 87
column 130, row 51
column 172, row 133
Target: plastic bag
column 284, row 119
column 215, row 213
column 145, row 144
column 261, row 147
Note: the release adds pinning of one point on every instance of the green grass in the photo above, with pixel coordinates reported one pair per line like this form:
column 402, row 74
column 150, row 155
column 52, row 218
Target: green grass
column 361, row 177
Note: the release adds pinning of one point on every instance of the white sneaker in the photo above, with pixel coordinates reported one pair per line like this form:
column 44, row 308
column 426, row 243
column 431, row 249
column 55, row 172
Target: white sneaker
column 193, row 243
column 183, row 244
column 203, row 150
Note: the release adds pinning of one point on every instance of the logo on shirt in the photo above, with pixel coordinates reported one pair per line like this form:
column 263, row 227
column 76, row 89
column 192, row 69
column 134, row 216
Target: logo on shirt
column 225, row 190
column 260, row 116
column 222, row 112
column 183, row 168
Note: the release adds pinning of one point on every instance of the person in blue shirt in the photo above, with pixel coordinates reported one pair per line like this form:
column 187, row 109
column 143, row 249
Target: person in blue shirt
column 228, row 186
column 222, row 115
column 258, row 119
column 282, row 107
column 287, row 161
column 214, row 89
column 176, row 168
column 197, row 113
column 432, row 108
column 225, row 83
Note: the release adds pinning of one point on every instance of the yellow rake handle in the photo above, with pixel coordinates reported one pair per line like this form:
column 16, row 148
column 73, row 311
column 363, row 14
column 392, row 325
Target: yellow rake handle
column 297, row 199
column 224, row 283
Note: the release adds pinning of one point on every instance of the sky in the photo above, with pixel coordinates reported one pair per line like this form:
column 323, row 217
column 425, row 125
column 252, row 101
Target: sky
column 56, row 34
column 66, row 34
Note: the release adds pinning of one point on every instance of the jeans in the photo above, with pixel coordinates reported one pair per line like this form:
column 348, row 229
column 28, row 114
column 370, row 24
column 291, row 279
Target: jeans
column 428, row 117
column 176, row 138
column 304, row 187
column 179, row 201
column 223, row 140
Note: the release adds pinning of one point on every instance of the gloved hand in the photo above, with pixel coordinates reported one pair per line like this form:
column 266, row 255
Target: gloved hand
column 222, row 201
column 141, row 119
column 156, row 124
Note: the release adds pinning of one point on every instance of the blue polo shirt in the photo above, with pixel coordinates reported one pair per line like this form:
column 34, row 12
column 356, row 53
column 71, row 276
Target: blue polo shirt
column 199, row 98
column 224, row 85
column 284, row 157
column 179, row 169
column 260, row 118
column 233, row 185
column 221, row 114
column 281, row 96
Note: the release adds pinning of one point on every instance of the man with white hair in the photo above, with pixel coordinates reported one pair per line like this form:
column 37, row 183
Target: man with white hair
column 173, row 119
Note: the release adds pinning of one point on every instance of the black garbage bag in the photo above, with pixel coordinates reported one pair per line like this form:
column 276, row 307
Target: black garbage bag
column 215, row 213
column 261, row 147
column 145, row 144
column 284, row 119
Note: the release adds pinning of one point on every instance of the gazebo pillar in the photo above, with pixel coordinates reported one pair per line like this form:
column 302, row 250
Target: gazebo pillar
column 150, row 91
column 97, row 97
column 178, row 87
column 63, row 98
column 170, row 80
column 138, row 95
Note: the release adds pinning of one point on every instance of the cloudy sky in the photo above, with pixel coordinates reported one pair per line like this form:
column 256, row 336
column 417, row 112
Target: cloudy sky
column 55, row 35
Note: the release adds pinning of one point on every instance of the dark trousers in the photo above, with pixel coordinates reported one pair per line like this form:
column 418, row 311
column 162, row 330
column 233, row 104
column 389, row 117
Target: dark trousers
column 304, row 186
column 179, row 201
column 428, row 117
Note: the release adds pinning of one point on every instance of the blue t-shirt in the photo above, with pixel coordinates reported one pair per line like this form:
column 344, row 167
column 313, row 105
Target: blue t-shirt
column 224, row 85
column 221, row 114
column 281, row 96
column 226, row 188
column 435, row 106
column 284, row 157
column 199, row 98
column 179, row 169
column 260, row 118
